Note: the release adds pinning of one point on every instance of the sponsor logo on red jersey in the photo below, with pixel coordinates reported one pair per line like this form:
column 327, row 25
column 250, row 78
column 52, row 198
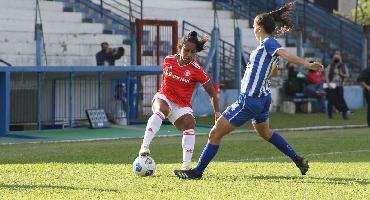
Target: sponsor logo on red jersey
column 187, row 73
column 179, row 78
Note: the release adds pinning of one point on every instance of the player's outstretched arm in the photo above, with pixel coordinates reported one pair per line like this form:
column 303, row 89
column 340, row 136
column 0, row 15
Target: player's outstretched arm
column 300, row 61
column 213, row 96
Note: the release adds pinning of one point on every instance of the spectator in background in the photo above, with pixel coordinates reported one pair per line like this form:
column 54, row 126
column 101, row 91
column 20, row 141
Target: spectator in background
column 314, row 89
column 292, row 85
column 117, row 112
column 335, row 75
column 107, row 55
column 364, row 80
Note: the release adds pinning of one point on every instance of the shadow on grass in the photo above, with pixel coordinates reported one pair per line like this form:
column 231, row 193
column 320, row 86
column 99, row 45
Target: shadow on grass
column 310, row 179
column 18, row 186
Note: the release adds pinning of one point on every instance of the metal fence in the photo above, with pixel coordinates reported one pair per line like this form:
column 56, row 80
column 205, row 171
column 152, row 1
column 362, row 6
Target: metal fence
column 63, row 97
column 56, row 97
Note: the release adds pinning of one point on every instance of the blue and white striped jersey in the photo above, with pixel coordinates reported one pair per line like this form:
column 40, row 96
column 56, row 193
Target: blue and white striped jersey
column 256, row 81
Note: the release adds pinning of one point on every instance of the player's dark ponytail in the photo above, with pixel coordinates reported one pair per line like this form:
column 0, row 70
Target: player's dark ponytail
column 279, row 21
column 193, row 38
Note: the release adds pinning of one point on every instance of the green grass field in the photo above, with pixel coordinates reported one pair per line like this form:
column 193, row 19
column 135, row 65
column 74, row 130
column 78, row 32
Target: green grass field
column 286, row 120
column 246, row 168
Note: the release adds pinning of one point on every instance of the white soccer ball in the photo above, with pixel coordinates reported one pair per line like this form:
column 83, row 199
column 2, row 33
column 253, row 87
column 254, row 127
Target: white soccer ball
column 144, row 166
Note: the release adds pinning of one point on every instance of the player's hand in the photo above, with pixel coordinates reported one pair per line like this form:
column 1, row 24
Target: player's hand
column 217, row 115
column 316, row 66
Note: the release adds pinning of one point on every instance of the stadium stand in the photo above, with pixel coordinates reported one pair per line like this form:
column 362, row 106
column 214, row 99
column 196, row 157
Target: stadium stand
column 68, row 40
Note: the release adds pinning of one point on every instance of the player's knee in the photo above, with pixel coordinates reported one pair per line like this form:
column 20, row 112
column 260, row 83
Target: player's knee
column 189, row 125
column 187, row 122
column 163, row 111
column 213, row 137
column 163, row 108
column 265, row 134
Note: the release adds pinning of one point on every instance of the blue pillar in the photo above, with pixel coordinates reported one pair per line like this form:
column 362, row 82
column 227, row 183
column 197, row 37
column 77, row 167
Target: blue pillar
column 300, row 43
column 39, row 46
column 133, row 46
column 238, row 57
column 53, row 101
column 70, row 100
column 39, row 103
column 100, row 90
column 4, row 102
column 364, row 54
column 128, row 99
column 216, row 61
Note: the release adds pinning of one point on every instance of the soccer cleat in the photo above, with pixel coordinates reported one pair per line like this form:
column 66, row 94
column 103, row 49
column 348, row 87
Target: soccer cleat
column 302, row 165
column 345, row 115
column 144, row 151
column 187, row 174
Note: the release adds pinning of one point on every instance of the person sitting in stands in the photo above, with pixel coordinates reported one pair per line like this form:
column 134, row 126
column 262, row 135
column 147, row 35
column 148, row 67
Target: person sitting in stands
column 315, row 89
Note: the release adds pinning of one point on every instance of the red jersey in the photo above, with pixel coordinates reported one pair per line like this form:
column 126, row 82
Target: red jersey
column 179, row 81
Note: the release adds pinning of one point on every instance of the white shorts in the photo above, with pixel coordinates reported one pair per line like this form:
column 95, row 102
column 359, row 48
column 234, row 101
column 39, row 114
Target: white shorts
column 175, row 111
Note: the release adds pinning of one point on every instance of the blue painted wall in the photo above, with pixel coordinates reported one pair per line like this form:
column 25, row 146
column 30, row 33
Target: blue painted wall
column 354, row 96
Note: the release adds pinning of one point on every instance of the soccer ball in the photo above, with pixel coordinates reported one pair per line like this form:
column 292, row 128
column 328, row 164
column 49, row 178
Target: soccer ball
column 144, row 166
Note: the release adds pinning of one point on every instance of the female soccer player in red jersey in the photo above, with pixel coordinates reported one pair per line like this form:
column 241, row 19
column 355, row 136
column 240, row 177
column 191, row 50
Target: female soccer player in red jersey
column 181, row 72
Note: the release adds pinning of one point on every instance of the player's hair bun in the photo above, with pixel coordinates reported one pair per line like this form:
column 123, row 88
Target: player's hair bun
column 193, row 38
column 193, row 34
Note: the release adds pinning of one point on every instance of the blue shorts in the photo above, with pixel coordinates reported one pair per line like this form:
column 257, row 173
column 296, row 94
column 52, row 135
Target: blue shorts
column 248, row 108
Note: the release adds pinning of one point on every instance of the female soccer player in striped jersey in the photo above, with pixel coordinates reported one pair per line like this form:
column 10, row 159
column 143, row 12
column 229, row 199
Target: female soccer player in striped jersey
column 181, row 72
column 255, row 98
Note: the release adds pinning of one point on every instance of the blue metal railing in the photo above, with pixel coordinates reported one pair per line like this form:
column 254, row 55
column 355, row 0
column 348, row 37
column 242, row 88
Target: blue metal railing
column 226, row 57
column 119, row 12
column 334, row 32
column 130, row 8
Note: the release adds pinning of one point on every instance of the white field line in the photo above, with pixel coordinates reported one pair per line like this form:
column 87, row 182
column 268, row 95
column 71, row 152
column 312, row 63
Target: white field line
column 307, row 155
column 177, row 134
column 310, row 128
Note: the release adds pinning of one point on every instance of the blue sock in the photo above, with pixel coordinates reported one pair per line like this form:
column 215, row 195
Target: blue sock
column 209, row 151
column 283, row 146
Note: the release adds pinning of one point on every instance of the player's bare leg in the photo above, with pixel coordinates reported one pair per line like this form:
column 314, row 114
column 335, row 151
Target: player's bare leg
column 186, row 124
column 279, row 142
column 160, row 110
column 219, row 130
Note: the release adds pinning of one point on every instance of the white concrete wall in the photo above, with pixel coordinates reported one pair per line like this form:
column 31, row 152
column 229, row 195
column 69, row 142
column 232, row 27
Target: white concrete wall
column 31, row 4
column 46, row 16
column 50, row 27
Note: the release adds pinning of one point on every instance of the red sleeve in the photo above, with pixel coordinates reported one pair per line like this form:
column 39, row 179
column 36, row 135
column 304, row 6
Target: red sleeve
column 164, row 62
column 202, row 76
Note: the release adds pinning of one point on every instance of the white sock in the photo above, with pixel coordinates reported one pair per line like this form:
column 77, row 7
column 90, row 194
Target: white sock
column 188, row 142
column 152, row 127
